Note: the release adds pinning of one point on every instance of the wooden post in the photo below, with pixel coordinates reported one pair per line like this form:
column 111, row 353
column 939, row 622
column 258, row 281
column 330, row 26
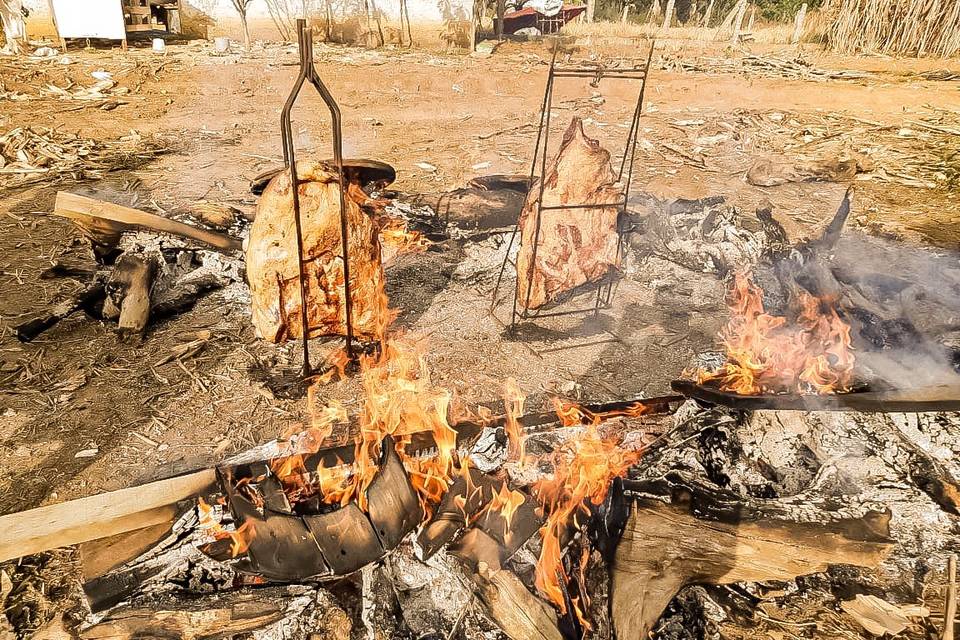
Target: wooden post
column 738, row 22
column 591, row 9
column 667, row 15
column 798, row 24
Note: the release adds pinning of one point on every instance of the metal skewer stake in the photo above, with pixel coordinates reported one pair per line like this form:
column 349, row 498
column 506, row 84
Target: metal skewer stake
column 624, row 175
column 308, row 72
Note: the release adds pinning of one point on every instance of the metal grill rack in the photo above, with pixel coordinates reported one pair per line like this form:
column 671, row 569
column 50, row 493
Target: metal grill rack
column 624, row 176
column 308, row 73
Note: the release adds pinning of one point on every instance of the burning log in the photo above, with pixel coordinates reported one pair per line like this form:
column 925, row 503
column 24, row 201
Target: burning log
column 573, row 247
column 272, row 260
column 681, row 531
column 517, row 611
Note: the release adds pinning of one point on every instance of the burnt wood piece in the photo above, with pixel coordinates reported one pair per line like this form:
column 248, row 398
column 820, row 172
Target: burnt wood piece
column 682, row 531
column 88, row 296
column 460, row 503
column 367, row 173
column 214, row 616
column 346, row 537
column 921, row 399
column 393, row 505
column 510, row 536
column 128, row 293
column 520, row 614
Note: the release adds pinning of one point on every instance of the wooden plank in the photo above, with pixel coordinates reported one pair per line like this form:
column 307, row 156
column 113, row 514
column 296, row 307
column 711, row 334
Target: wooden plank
column 99, row 215
column 100, row 556
column 99, row 516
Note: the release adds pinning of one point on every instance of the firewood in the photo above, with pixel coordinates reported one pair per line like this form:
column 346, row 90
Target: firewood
column 98, row 516
column 215, row 616
column 101, row 556
column 681, row 532
column 105, row 221
column 128, row 293
column 87, row 296
column 519, row 613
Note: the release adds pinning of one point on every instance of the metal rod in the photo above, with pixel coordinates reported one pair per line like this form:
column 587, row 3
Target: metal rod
column 543, row 184
column 308, row 72
column 599, row 76
column 516, row 227
column 286, row 128
column 597, row 205
column 338, row 161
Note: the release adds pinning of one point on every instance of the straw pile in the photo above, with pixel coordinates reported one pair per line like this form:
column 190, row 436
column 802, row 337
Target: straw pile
column 899, row 27
column 38, row 154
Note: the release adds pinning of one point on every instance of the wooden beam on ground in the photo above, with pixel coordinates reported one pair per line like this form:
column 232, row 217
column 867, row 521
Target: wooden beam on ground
column 730, row 539
column 98, row 516
column 106, row 219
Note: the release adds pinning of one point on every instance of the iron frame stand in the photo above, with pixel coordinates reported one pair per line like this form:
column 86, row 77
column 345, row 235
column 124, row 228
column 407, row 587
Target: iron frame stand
column 604, row 288
column 308, row 73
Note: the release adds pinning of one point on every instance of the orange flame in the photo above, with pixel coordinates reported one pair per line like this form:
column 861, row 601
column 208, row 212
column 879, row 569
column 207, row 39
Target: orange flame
column 506, row 502
column 239, row 539
column 583, row 469
column 516, row 440
column 397, row 239
column 766, row 354
column 572, row 414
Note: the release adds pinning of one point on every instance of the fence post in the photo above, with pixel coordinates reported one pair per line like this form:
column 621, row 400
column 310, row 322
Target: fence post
column 798, row 24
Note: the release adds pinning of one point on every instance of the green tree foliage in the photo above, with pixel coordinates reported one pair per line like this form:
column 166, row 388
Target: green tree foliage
column 772, row 10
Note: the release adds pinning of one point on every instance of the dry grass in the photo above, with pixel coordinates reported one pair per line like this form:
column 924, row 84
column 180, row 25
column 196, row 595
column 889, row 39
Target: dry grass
column 898, row 27
column 767, row 34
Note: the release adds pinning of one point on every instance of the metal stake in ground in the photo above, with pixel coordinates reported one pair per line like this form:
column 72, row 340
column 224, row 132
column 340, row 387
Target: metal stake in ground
column 308, row 72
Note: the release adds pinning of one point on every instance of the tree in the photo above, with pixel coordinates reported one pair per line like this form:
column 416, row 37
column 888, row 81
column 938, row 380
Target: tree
column 14, row 27
column 241, row 6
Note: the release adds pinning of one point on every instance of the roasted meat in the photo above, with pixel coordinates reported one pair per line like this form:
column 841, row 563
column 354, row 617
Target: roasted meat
column 272, row 260
column 576, row 246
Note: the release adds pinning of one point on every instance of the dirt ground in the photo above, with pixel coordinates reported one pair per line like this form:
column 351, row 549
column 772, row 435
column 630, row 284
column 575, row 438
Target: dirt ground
column 78, row 389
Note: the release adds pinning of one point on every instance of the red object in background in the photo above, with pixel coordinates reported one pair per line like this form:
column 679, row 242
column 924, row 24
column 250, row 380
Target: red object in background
column 523, row 18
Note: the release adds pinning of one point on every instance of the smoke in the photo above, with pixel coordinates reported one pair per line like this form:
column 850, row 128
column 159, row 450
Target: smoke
column 902, row 303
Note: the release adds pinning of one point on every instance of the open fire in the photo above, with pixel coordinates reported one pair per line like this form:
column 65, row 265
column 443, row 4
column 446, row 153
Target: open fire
column 401, row 402
column 808, row 353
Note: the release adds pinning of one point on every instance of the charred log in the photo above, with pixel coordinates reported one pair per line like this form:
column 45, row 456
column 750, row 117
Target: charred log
column 682, row 531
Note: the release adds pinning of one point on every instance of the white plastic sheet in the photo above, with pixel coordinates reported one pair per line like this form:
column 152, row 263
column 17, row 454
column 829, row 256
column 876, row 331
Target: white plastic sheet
column 89, row 19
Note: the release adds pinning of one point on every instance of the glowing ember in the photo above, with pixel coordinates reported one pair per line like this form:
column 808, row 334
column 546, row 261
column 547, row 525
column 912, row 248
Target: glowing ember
column 583, row 468
column 768, row 354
